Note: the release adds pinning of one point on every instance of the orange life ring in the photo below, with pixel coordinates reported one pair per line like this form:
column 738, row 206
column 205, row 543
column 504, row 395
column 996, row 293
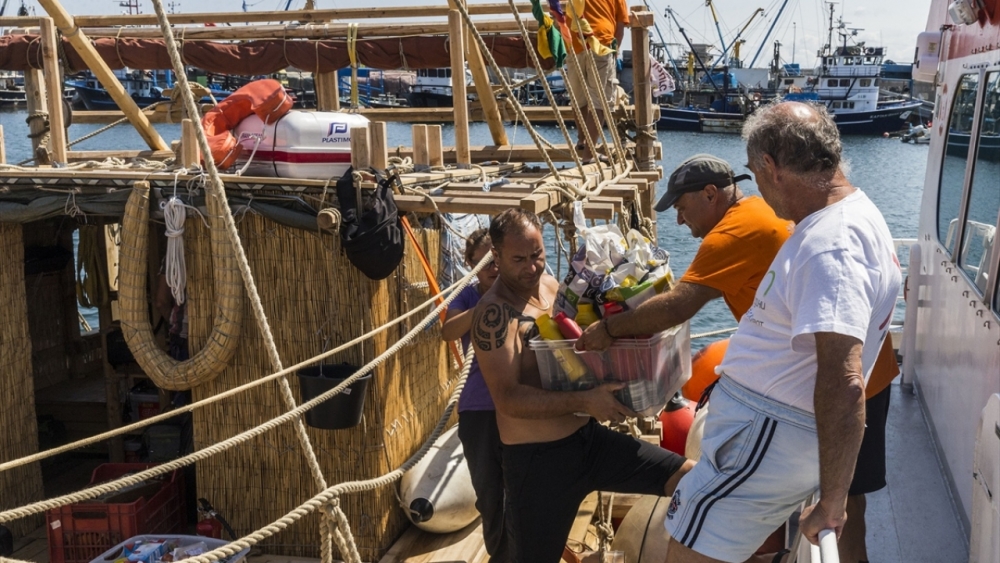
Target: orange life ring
column 266, row 98
column 703, row 369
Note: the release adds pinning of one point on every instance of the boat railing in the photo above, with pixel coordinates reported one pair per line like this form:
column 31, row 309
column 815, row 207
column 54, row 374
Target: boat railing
column 902, row 248
column 807, row 552
column 857, row 70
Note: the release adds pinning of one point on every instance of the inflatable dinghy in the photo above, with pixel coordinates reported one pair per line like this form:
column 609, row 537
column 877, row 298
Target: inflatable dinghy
column 437, row 493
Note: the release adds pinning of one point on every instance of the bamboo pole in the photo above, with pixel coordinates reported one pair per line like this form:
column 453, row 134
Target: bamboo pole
column 481, row 80
column 458, row 90
column 53, row 91
column 302, row 16
column 190, row 155
column 378, row 137
column 326, row 31
column 421, row 159
column 89, row 54
column 34, row 92
column 327, row 91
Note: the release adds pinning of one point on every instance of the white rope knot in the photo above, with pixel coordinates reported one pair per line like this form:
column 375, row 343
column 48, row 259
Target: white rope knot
column 174, row 215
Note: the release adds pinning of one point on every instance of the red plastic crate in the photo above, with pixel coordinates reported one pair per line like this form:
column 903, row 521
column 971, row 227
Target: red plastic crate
column 78, row 533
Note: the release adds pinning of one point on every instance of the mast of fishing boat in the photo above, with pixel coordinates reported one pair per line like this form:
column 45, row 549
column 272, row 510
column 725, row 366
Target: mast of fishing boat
column 768, row 35
column 690, row 46
column 663, row 42
column 718, row 28
column 736, row 39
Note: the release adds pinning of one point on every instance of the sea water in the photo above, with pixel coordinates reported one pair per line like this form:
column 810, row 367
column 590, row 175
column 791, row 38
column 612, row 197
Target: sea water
column 890, row 172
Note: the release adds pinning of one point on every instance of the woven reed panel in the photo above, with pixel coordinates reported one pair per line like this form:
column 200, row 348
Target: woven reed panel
column 17, row 394
column 314, row 299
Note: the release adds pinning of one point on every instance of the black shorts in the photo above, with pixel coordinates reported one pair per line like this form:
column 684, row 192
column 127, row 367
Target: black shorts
column 869, row 472
column 546, row 482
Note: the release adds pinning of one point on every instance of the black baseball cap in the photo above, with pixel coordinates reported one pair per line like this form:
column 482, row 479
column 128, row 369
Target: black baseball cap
column 694, row 174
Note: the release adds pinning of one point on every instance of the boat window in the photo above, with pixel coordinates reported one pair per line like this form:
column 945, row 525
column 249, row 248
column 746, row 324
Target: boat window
column 875, row 83
column 866, row 82
column 832, row 83
column 956, row 154
column 845, row 82
column 984, row 197
column 447, row 72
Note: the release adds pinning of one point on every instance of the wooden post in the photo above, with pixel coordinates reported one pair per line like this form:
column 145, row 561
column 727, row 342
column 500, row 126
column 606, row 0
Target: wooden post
column 360, row 156
column 87, row 51
column 3, row 148
column 327, row 91
column 378, row 138
column 435, row 156
column 462, row 157
column 645, row 144
column 421, row 158
column 112, row 392
column 190, row 155
column 53, row 91
column 34, row 91
column 481, row 79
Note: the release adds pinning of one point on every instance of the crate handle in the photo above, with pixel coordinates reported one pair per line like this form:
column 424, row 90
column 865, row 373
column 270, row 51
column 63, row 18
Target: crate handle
column 90, row 514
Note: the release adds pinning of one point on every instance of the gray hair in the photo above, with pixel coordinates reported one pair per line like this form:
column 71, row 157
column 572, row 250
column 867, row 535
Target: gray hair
column 797, row 143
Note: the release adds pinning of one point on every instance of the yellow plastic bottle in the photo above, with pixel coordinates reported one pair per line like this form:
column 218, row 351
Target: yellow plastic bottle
column 585, row 315
column 572, row 366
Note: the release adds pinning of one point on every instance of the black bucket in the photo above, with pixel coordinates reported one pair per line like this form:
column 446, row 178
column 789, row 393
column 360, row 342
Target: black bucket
column 344, row 409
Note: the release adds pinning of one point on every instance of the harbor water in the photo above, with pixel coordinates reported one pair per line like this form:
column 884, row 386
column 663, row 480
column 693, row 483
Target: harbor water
column 890, row 172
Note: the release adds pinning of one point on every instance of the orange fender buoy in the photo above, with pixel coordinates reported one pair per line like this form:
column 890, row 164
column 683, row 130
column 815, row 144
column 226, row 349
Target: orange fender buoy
column 703, row 369
column 266, row 98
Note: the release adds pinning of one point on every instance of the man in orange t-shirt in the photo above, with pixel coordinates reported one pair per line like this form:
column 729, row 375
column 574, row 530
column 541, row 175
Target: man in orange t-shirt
column 603, row 25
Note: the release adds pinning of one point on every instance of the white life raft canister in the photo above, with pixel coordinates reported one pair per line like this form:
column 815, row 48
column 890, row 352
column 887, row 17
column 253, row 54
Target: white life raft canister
column 437, row 494
column 301, row 144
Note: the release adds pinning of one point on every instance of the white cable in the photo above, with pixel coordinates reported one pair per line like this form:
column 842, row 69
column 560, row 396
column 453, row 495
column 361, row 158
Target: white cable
column 174, row 215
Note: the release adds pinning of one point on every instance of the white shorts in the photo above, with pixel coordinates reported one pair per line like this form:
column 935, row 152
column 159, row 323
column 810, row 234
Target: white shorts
column 604, row 84
column 759, row 462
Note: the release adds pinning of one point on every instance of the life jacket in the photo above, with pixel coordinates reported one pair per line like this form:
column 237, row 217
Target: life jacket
column 266, row 98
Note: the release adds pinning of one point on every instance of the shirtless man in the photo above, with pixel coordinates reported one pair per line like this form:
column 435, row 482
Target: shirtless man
column 554, row 451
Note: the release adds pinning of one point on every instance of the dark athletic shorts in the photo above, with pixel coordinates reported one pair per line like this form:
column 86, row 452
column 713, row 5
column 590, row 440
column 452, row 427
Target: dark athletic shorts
column 546, row 482
column 869, row 473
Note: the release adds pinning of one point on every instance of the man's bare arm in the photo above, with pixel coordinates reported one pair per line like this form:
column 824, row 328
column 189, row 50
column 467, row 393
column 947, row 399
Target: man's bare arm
column 495, row 336
column 659, row 313
column 840, row 422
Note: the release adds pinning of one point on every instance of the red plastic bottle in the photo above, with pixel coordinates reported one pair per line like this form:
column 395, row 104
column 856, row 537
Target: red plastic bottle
column 567, row 326
column 210, row 528
column 675, row 422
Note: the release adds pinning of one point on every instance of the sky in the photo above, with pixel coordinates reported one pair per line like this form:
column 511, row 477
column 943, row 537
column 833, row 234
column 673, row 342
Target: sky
column 893, row 24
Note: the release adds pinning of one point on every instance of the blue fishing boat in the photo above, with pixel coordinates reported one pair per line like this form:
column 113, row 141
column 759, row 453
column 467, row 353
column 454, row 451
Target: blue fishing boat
column 145, row 87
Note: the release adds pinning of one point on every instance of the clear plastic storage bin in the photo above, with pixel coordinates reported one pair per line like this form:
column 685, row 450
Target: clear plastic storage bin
column 654, row 368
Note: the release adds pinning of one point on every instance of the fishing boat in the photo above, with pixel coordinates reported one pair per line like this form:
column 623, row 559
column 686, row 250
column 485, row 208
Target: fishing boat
column 146, row 88
column 432, row 87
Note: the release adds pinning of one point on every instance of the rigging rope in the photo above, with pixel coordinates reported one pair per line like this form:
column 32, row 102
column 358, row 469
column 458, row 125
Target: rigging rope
column 175, row 269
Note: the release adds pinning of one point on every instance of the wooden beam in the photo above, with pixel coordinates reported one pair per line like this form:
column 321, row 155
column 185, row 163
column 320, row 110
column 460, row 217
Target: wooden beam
column 643, row 92
column 325, row 31
column 53, row 91
column 77, row 156
column 461, row 111
column 3, row 148
column 96, row 64
column 421, row 158
column 434, row 155
column 379, row 150
column 360, row 158
column 190, row 154
column 34, row 92
column 487, row 206
column 481, row 78
column 302, row 16
column 327, row 91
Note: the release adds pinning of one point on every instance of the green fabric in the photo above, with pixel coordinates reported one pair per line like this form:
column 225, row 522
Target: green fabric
column 550, row 41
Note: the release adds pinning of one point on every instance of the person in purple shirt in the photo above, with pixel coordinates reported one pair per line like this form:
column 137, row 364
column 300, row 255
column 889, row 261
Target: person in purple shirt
column 477, row 420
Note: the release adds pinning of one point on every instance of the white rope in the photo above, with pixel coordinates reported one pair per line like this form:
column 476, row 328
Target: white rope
column 175, row 270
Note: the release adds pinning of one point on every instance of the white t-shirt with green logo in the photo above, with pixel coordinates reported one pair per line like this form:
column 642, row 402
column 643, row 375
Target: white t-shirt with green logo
column 838, row 273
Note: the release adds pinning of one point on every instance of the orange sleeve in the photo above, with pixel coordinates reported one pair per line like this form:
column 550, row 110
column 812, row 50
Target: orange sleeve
column 623, row 15
column 723, row 262
column 884, row 371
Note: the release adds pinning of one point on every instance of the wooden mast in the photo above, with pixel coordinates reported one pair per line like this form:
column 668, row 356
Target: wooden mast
column 53, row 91
column 484, row 89
column 462, row 157
column 103, row 74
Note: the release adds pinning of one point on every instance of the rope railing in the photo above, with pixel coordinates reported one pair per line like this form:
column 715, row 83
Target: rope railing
column 296, row 413
column 452, row 289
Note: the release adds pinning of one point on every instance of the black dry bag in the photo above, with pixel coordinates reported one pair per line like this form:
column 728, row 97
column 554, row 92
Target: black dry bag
column 373, row 238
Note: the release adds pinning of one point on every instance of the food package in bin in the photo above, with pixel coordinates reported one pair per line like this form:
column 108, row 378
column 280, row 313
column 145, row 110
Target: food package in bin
column 601, row 250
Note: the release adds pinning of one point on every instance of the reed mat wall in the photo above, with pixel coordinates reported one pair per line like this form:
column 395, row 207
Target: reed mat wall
column 314, row 299
column 19, row 435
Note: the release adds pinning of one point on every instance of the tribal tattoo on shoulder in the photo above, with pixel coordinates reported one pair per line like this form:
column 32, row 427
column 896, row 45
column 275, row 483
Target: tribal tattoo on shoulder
column 492, row 324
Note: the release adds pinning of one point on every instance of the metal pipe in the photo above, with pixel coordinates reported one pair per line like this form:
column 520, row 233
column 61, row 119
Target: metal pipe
column 768, row 35
column 690, row 46
column 722, row 41
column 912, row 297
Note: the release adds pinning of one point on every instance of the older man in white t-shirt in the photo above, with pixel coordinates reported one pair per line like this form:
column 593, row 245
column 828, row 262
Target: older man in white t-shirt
column 788, row 415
